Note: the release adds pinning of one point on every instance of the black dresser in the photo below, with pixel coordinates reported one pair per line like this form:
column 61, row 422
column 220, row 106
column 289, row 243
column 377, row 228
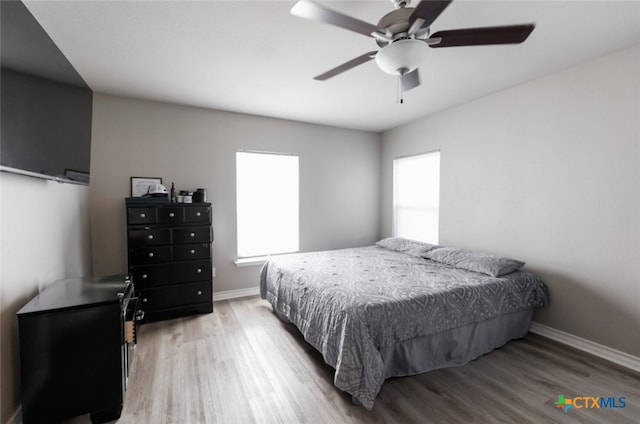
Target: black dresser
column 76, row 340
column 169, row 252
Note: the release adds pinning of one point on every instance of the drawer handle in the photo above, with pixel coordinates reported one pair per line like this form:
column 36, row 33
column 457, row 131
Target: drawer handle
column 151, row 254
column 150, row 236
column 199, row 292
column 198, row 214
column 199, row 270
column 144, row 276
column 143, row 215
column 145, row 300
column 139, row 315
column 192, row 234
column 192, row 251
column 171, row 214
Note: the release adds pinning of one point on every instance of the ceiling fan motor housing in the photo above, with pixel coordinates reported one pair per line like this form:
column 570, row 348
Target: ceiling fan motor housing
column 396, row 26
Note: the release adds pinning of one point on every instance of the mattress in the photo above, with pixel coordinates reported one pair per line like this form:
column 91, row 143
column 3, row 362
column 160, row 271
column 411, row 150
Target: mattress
column 355, row 305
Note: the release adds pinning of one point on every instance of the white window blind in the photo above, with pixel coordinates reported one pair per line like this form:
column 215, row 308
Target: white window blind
column 267, row 203
column 416, row 197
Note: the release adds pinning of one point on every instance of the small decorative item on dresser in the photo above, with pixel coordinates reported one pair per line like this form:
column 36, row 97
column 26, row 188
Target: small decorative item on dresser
column 200, row 195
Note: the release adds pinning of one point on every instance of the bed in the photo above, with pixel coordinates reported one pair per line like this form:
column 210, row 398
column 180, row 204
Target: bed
column 400, row 307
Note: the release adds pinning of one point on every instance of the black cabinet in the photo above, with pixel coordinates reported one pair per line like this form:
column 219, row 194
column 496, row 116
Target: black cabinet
column 75, row 349
column 169, row 253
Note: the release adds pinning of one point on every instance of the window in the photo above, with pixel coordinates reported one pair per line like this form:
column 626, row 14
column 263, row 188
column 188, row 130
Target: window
column 267, row 203
column 416, row 197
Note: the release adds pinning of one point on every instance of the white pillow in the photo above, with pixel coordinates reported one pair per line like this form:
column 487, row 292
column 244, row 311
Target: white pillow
column 485, row 263
column 410, row 247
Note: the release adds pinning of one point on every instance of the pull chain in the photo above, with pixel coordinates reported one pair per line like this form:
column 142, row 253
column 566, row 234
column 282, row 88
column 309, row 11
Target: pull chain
column 400, row 97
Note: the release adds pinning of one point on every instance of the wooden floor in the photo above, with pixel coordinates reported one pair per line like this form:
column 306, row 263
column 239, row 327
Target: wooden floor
column 242, row 365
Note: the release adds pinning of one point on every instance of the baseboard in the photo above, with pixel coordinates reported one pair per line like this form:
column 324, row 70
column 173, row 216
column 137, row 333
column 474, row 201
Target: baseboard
column 234, row 294
column 604, row 352
column 16, row 418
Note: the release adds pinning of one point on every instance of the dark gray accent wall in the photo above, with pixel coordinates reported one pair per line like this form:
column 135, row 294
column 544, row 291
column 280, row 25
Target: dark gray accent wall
column 46, row 125
column 46, row 105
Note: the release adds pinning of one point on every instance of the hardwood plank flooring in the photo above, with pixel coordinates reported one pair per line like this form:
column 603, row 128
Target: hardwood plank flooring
column 241, row 364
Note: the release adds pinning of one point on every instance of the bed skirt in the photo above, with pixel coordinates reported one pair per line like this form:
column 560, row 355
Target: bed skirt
column 451, row 348
column 455, row 347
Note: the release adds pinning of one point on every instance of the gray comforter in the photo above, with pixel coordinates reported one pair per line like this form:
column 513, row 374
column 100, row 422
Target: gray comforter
column 349, row 303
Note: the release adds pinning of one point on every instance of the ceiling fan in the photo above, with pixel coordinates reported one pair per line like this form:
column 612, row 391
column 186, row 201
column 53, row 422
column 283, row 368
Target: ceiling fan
column 404, row 38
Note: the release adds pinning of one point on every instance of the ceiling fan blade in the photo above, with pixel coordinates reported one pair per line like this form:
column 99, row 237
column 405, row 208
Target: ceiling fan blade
column 311, row 10
column 428, row 11
column 510, row 34
column 346, row 66
column 410, row 80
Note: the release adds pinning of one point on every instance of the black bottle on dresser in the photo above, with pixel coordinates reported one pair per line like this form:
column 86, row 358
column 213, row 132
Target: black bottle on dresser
column 173, row 193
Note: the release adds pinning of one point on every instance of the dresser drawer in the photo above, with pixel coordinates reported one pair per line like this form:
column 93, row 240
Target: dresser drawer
column 187, row 252
column 141, row 215
column 145, row 276
column 178, row 295
column 172, row 215
column 150, row 255
column 192, row 235
column 149, row 237
column 197, row 214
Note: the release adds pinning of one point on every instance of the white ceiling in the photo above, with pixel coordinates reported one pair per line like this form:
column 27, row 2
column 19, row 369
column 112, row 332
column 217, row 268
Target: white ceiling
column 254, row 57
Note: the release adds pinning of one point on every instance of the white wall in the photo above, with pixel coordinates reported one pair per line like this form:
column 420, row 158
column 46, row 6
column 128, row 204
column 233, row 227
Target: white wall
column 193, row 147
column 44, row 237
column 548, row 172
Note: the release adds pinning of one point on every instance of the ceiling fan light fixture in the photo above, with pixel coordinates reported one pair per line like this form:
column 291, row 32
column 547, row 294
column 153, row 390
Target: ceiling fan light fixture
column 402, row 56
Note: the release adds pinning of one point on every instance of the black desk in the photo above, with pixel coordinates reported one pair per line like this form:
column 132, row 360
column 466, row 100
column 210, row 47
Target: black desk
column 73, row 353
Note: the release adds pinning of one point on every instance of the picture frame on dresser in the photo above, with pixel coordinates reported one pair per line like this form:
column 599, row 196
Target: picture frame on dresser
column 140, row 185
